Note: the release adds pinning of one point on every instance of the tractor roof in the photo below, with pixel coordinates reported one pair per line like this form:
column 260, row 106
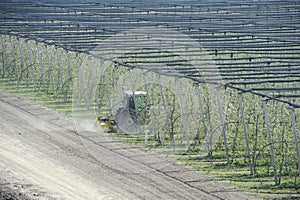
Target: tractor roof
column 136, row 93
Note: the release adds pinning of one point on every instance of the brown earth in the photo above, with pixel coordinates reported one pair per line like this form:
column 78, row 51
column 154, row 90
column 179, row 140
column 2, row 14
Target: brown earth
column 43, row 157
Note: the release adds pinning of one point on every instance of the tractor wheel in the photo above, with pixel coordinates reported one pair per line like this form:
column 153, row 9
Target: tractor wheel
column 125, row 122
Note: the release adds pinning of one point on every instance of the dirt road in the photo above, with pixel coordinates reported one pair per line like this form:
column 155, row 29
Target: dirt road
column 42, row 157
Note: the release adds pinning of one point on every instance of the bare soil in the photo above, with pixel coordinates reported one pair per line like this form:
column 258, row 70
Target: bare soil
column 43, row 157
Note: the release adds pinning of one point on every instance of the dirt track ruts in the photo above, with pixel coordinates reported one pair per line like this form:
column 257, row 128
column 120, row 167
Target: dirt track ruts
column 42, row 157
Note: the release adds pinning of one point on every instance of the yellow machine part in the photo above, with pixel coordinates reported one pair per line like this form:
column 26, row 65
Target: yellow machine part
column 106, row 122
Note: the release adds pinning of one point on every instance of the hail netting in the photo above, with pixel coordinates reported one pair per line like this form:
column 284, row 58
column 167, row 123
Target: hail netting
column 255, row 46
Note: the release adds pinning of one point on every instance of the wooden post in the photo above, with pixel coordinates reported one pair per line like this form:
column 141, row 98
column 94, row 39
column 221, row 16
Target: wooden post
column 6, row 60
column 150, row 110
column 208, row 144
column 22, row 63
column 50, row 69
column 292, row 111
column 92, row 83
column 14, row 58
column 240, row 96
column 183, row 113
column 41, row 67
column 223, row 124
column 31, row 65
column 165, row 108
column 80, row 73
column 264, row 101
column 70, row 68
column 60, row 78
column 107, row 92
column 70, row 79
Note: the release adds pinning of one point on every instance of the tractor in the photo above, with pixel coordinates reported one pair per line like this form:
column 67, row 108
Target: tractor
column 134, row 112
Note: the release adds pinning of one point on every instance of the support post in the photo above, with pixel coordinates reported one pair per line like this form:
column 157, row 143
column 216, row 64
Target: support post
column 292, row 111
column 207, row 139
column 240, row 96
column 183, row 113
column 80, row 73
column 6, row 60
column 70, row 68
column 14, row 58
column 165, row 108
column 50, row 69
column 31, row 65
column 150, row 110
column 223, row 124
column 264, row 101
column 22, row 63
column 60, row 78
column 70, row 79
column 107, row 92
column 92, row 82
column 41, row 67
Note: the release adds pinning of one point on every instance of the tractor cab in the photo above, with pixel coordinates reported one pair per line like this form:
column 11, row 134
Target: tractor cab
column 133, row 111
column 136, row 103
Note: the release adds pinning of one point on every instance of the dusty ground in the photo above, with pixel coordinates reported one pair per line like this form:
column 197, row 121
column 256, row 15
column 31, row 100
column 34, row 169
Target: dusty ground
column 42, row 157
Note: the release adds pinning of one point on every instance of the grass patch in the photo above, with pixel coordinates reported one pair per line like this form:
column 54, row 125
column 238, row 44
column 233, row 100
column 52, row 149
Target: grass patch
column 237, row 173
column 53, row 101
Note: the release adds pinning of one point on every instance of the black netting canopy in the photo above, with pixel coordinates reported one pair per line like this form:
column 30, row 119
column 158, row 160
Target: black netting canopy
column 255, row 44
